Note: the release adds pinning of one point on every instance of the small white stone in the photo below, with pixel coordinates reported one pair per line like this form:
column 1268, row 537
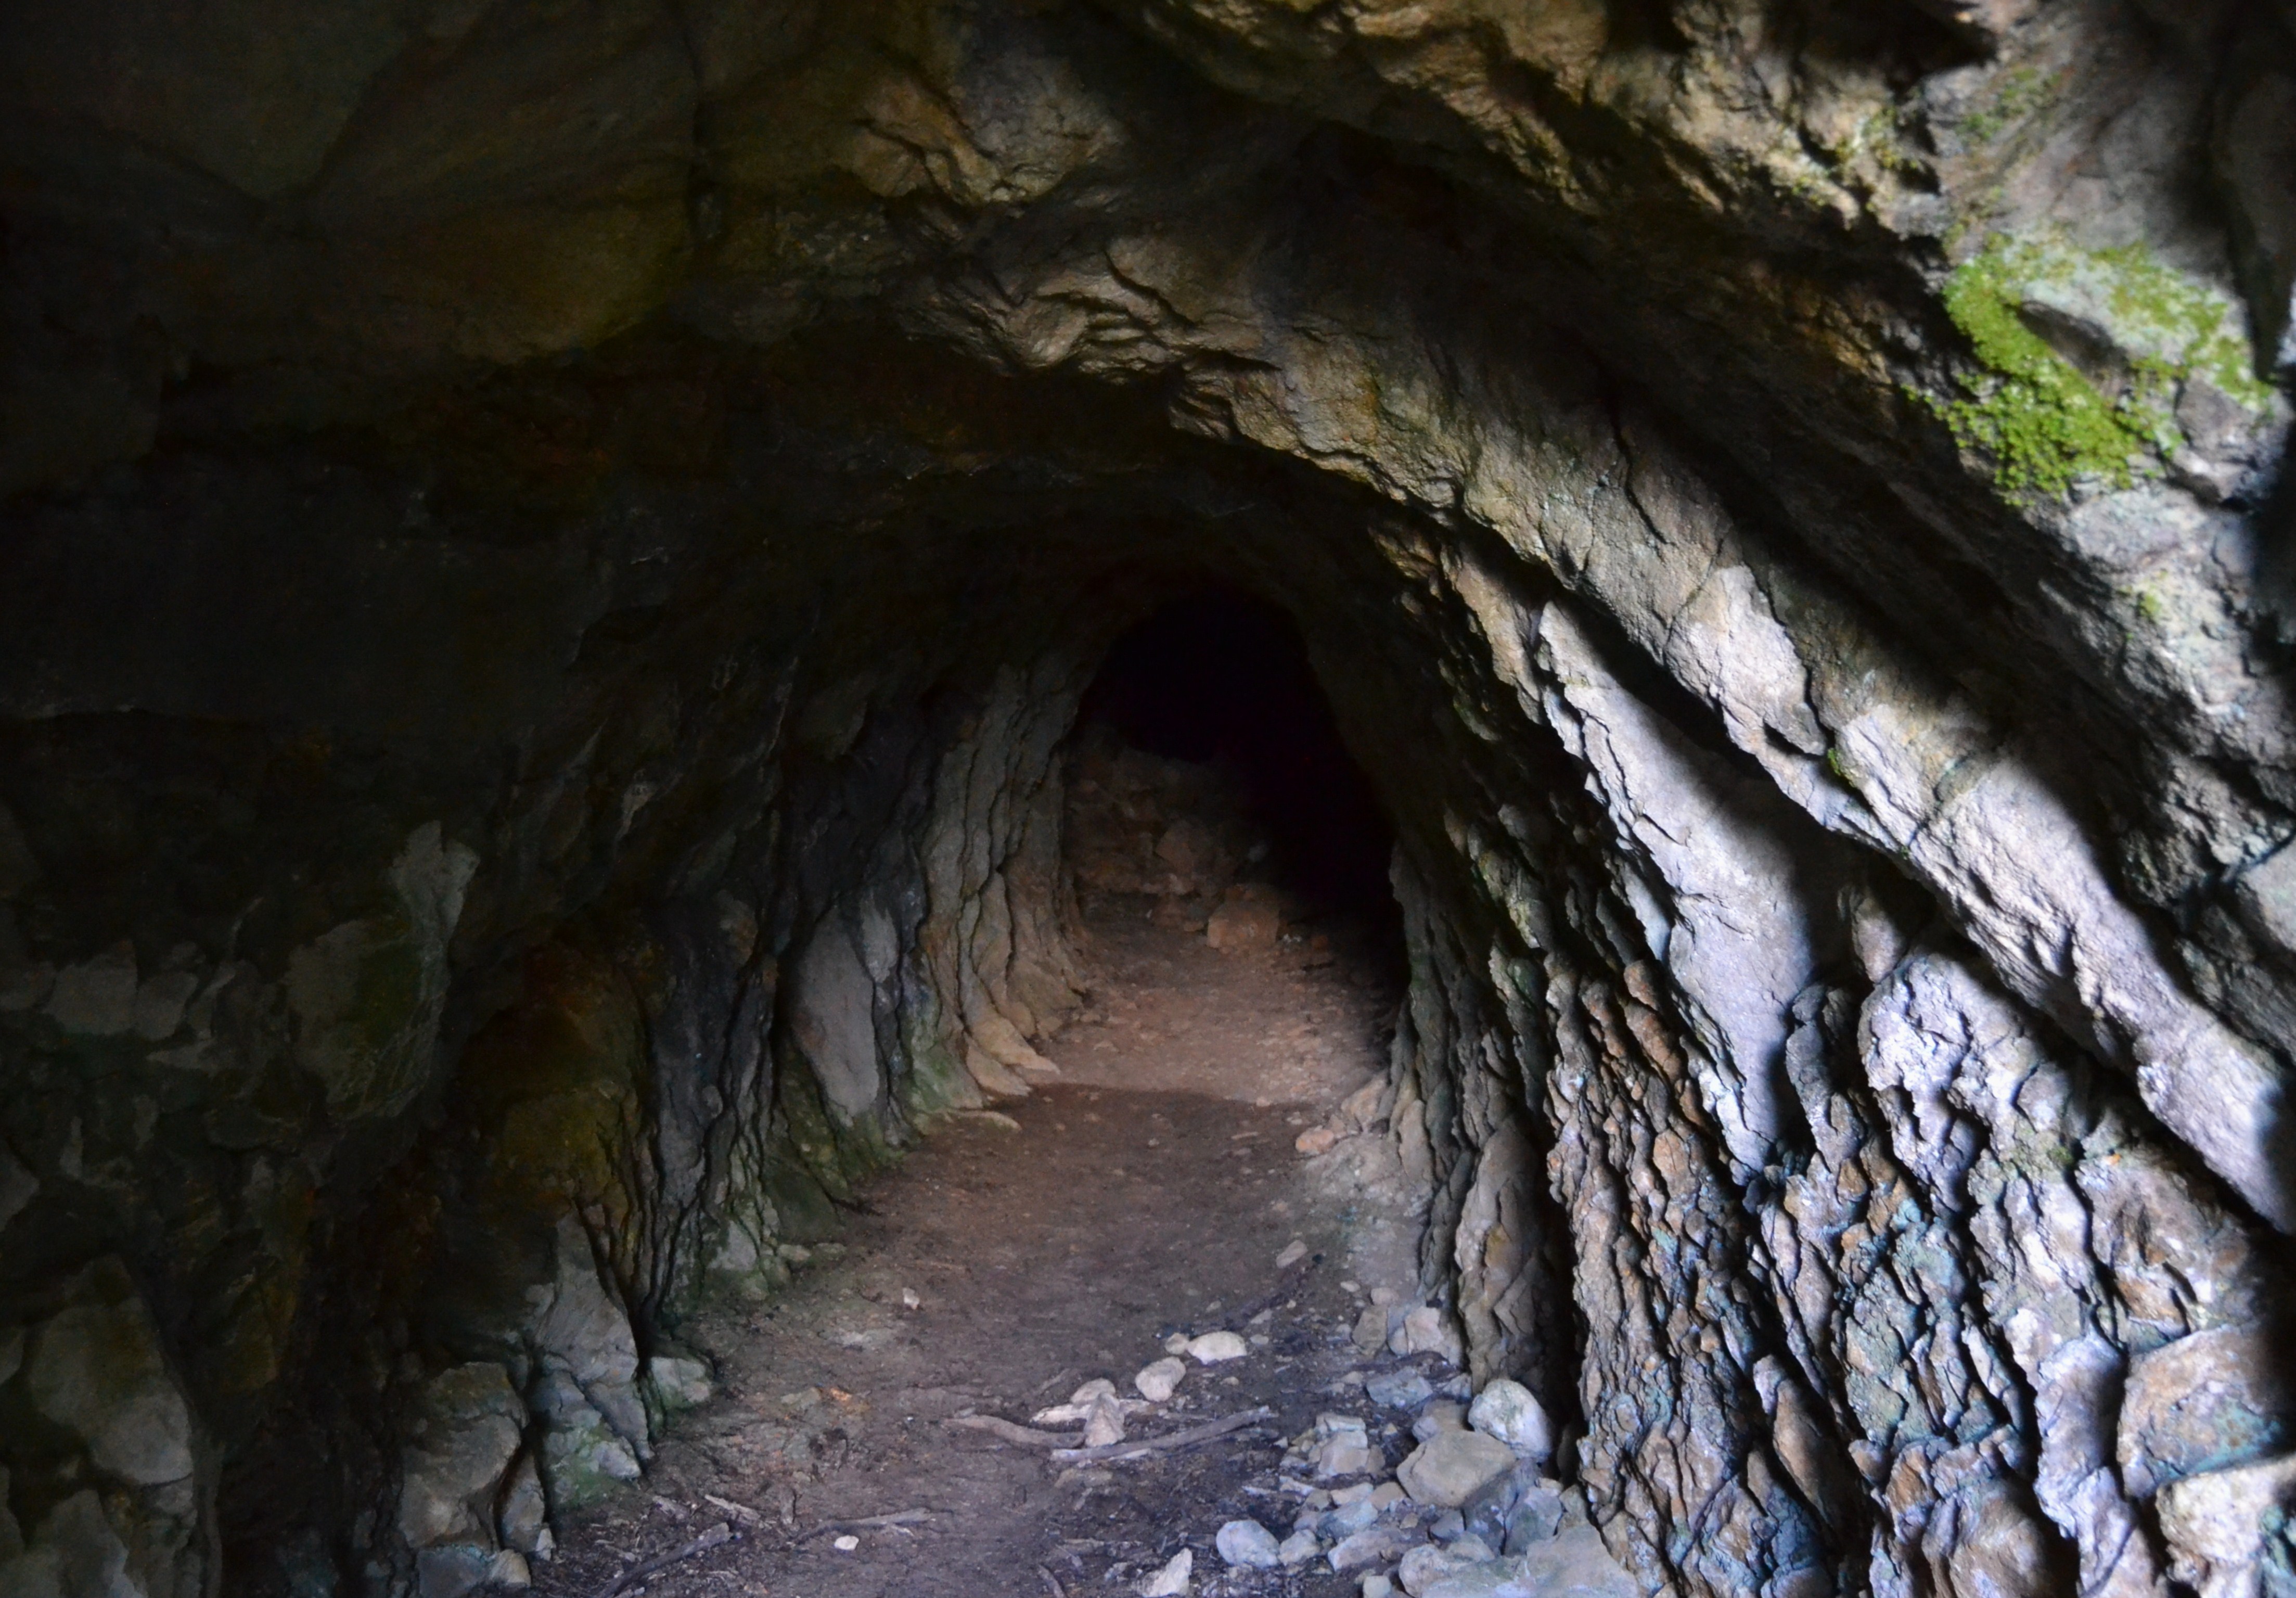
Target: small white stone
column 909, row 1299
column 1249, row 1545
column 1103, row 1421
column 1158, row 1382
column 1507, row 1411
column 1293, row 1253
column 846, row 1544
column 1214, row 1346
column 1377, row 1586
column 1172, row 1580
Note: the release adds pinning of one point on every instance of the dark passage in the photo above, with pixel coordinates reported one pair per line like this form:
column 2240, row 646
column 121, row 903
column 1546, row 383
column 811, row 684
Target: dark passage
column 1222, row 679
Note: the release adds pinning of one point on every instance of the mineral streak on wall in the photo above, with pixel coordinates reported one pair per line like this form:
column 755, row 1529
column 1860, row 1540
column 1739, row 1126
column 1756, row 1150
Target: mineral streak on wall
column 548, row 554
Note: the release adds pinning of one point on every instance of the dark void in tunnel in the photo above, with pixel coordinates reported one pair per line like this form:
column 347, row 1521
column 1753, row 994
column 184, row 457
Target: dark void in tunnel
column 1223, row 680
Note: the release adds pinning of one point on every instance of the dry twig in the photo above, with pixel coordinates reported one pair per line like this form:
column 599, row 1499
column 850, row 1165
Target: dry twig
column 740, row 1512
column 716, row 1537
column 900, row 1517
column 1026, row 1435
column 1146, row 1446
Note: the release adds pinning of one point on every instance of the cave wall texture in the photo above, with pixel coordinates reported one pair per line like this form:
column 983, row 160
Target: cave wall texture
column 550, row 546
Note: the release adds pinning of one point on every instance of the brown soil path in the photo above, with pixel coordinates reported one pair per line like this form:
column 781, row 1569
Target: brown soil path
column 1013, row 1257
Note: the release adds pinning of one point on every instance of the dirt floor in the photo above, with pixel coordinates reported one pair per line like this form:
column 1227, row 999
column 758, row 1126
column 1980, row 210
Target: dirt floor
column 1150, row 1192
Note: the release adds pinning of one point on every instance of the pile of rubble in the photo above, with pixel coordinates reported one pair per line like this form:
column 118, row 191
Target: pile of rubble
column 1410, row 1478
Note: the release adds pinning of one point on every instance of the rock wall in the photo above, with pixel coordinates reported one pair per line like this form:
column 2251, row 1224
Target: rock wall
column 548, row 556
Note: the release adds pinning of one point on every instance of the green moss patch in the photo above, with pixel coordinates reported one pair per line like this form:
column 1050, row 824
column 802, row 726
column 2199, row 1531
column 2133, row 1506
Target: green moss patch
column 2044, row 423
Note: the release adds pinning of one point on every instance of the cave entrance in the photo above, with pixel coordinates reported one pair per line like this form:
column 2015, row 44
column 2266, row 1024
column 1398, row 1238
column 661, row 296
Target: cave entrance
column 1210, row 790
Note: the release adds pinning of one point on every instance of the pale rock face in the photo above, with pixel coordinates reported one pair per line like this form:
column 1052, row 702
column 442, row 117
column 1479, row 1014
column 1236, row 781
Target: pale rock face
column 471, row 1427
column 2214, row 1524
column 98, row 1370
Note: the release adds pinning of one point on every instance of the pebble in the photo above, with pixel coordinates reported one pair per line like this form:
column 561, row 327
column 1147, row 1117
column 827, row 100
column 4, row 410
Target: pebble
column 1377, row 1586
column 1172, row 1580
column 846, row 1544
column 1158, row 1382
column 1103, row 1421
column 1293, row 1253
column 1249, row 1545
column 1214, row 1346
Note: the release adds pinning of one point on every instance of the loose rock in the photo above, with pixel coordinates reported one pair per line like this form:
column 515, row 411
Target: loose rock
column 1158, row 1382
column 1103, row 1421
column 1426, row 1330
column 1446, row 1469
column 1173, row 1580
column 1398, row 1390
column 1249, row 1545
column 1299, row 1548
column 1213, row 1348
column 1373, row 1546
column 1507, row 1410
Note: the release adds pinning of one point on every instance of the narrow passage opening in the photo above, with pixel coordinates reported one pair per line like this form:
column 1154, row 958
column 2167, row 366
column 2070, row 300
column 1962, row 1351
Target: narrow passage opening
column 1210, row 791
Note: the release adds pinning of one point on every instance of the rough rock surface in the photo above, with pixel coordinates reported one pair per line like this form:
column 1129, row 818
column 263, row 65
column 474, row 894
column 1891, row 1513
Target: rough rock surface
column 548, row 557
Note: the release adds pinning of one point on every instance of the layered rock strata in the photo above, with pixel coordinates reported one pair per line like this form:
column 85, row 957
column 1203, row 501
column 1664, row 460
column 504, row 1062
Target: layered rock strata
column 550, row 554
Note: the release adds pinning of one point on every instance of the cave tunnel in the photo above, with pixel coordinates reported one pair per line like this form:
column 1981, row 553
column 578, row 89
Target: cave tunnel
column 1221, row 680
column 960, row 797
